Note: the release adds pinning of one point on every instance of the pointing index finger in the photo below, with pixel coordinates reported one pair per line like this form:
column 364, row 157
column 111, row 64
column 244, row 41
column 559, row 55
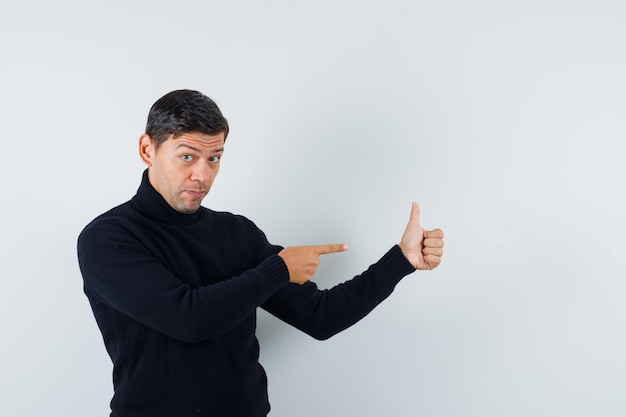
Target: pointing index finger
column 331, row 248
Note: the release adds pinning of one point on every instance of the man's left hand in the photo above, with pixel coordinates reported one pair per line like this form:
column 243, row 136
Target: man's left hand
column 422, row 248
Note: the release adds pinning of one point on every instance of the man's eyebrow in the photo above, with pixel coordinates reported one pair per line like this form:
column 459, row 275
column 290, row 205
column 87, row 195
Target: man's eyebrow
column 184, row 145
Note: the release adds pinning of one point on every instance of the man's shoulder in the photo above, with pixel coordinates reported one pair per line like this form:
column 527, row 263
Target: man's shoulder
column 226, row 218
column 121, row 213
column 236, row 226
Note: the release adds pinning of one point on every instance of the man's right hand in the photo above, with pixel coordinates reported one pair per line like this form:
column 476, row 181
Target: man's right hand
column 302, row 261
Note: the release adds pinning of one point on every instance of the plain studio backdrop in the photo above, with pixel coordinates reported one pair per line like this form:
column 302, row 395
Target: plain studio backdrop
column 503, row 119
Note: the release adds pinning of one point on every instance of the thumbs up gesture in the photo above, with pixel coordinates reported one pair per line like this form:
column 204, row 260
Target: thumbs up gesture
column 422, row 248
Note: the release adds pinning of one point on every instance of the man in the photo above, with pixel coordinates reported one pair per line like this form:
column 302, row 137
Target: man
column 174, row 286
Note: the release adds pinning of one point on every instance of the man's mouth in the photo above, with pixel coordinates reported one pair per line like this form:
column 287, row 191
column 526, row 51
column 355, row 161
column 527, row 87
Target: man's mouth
column 195, row 193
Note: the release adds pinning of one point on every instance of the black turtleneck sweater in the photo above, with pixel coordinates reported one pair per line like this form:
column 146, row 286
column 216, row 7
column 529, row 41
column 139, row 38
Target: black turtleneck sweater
column 175, row 297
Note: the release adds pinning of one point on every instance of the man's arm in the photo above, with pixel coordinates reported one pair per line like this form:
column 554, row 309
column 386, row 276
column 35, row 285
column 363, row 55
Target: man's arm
column 322, row 314
column 122, row 273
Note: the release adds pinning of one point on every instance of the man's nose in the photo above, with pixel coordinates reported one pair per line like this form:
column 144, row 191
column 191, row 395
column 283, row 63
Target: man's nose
column 201, row 172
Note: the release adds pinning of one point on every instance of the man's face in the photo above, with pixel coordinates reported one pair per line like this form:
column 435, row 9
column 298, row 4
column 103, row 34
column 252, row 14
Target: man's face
column 183, row 168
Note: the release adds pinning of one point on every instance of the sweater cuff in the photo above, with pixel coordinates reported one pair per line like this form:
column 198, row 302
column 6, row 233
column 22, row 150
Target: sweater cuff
column 396, row 264
column 275, row 272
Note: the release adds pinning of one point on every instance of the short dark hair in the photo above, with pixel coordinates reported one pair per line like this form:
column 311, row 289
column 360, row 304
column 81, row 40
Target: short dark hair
column 183, row 111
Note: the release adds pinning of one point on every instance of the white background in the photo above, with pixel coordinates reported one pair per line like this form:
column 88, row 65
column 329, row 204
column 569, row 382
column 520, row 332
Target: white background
column 503, row 119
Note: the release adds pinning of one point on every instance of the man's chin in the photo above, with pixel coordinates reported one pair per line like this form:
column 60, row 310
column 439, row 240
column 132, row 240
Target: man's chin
column 187, row 208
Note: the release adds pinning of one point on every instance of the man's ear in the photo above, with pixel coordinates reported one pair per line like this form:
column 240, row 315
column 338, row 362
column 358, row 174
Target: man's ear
column 146, row 149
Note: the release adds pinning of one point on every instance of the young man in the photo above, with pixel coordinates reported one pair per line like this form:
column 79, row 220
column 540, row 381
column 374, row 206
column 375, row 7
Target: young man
column 174, row 286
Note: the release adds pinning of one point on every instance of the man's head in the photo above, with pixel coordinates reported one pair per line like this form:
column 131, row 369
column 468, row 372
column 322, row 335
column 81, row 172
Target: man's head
column 182, row 147
column 183, row 111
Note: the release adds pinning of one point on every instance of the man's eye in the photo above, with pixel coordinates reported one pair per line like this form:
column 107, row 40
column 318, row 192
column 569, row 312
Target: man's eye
column 186, row 158
column 214, row 159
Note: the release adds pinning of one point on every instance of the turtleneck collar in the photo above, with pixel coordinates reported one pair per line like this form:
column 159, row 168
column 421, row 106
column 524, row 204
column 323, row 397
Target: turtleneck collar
column 151, row 204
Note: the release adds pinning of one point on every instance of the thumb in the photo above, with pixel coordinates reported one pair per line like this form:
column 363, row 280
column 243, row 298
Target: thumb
column 414, row 220
column 412, row 240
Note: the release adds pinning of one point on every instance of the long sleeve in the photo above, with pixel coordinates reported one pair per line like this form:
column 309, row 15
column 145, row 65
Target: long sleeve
column 122, row 271
column 324, row 313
